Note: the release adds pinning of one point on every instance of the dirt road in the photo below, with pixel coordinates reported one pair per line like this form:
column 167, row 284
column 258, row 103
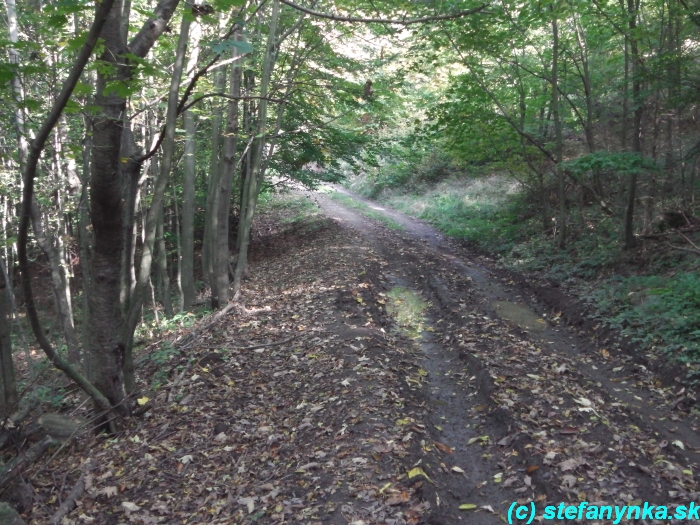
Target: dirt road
column 557, row 418
column 376, row 375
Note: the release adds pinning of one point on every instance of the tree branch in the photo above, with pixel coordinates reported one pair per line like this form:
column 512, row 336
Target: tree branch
column 402, row 22
column 229, row 97
column 36, row 147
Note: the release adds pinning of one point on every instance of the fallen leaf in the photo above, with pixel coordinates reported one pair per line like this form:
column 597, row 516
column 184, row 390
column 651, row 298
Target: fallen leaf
column 583, row 401
column 249, row 502
column 397, row 499
column 569, row 464
column 129, row 507
column 417, row 471
column 569, row 480
column 467, row 506
column 443, row 447
column 309, row 466
column 531, row 469
column 108, row 491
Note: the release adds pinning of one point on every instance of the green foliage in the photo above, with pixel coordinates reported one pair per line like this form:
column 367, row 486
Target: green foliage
column 51, row 396
column 625, row 162
column 488, row 224
column 161, row 357
column 659, row 312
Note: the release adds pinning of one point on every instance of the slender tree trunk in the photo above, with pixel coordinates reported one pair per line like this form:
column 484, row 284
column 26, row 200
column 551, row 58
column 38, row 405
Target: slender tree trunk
column 162, row 262
column 50, row 246
column 625, row 88
column 178, row 252
column 254, row 181
column 8, row 385
column 158, row 196
column 188, row 186
column 220, row 241
column 633, row 7
column 60, row 283
column 211, row 219
column 561, row 183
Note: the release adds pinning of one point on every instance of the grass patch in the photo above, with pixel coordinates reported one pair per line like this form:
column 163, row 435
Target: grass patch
column 407, row 307
column 365, row 210
column 488, row 212
column 290, row 208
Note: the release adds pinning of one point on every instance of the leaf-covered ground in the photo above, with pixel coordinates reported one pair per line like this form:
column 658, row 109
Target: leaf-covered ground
column 309, row 404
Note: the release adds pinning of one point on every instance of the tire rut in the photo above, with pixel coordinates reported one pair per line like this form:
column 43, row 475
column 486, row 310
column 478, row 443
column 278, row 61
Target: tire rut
column 464, row 388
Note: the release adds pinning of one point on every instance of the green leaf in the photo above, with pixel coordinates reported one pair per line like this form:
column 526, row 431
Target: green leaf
column 467, row 506
column 224, row 5
column 7, row 73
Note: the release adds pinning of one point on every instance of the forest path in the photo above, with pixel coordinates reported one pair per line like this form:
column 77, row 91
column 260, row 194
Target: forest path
column 574, row 421
column 374, row 375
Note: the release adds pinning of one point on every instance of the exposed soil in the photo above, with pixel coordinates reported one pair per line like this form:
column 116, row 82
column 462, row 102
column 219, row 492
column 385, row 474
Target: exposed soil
column 307, row 405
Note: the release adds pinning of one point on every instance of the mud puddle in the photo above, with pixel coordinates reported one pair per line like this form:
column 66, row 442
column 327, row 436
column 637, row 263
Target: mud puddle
column 519, row 315
column 469, row 478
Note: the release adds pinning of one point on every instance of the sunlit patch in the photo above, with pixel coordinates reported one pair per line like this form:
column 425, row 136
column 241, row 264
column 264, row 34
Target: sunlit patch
column 407, row 307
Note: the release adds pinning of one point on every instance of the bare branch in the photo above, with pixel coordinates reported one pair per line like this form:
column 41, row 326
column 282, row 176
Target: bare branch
column 229, row 97
column 402, row 22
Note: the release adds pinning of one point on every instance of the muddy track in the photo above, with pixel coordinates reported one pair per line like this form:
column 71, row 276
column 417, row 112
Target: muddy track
column 565, row 419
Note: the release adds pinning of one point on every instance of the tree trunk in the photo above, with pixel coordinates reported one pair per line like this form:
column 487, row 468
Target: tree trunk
column 253, row 182
column 162, row 262
column 561, row 183
column 8, row 385
column 220, row 240
column 625, row 88
column 59, row 281
column 158, row 196
column 107, row 354
column 188, row 186
column 51, row 247
column 211, row 219
column 629, row 239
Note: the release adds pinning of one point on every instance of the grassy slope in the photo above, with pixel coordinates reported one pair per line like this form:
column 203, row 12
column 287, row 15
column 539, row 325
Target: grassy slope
column 652, row 295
